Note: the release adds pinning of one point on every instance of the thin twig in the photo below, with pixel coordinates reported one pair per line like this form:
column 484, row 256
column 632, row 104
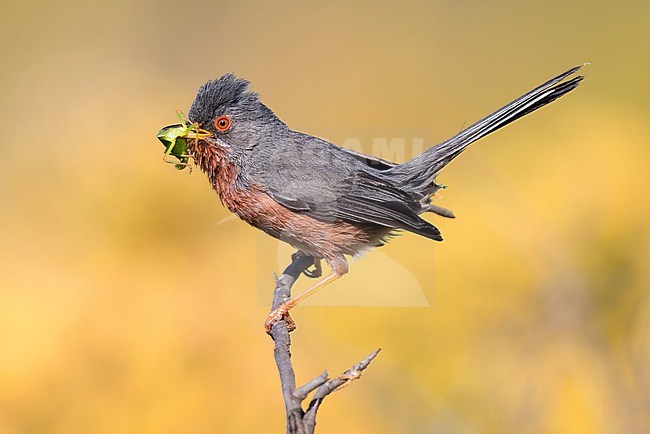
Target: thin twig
column 334, row 384
column 302, row 392
column 299, row 421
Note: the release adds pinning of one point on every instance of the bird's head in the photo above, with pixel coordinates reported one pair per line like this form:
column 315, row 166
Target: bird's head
column 226, row 119
column 233, row 114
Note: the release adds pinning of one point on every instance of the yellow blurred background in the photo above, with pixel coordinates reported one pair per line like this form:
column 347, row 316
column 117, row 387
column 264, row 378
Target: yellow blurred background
column 126, row 308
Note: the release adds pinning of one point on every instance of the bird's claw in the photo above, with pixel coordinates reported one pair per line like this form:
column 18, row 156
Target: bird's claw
column 316, row 272
column 318, row 269
column 313, row 274
column 278, row 314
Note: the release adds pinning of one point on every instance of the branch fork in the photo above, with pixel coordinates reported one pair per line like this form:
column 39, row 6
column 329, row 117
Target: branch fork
column 301, row 421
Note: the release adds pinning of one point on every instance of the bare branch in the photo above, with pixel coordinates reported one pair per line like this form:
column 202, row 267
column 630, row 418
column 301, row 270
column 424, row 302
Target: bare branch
column 334, row 384
column 299, row 421
column 302, row 392
column 344, row 380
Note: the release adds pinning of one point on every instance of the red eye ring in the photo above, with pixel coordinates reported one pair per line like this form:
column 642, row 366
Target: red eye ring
column 222, row 123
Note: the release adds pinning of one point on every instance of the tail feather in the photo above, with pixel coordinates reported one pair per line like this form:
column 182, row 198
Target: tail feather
column 420, row 172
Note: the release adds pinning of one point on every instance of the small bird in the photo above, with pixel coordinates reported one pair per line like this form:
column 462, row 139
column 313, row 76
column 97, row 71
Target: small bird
column 326, row 201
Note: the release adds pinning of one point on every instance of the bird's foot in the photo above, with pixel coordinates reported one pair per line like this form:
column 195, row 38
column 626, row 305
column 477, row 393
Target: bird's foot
column 318, row 268
column 298, row 254
column 316, row 272
column 278, row 314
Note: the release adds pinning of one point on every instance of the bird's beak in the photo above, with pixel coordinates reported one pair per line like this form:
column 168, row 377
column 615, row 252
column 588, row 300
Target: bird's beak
column 197, row 133
column 171, row 132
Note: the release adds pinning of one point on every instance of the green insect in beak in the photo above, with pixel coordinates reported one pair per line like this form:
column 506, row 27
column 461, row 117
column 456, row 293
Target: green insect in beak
column 174, row 138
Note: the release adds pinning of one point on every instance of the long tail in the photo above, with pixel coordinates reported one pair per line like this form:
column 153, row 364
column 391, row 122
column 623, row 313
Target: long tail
column 420, row 172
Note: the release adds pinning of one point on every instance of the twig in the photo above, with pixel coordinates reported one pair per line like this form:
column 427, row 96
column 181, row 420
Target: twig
column 298, row 420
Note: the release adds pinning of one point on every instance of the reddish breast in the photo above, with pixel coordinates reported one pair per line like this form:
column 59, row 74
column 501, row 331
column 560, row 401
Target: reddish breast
column 325, row 239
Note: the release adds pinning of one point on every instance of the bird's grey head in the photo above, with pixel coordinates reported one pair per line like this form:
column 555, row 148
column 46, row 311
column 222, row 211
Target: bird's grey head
column 233, row 114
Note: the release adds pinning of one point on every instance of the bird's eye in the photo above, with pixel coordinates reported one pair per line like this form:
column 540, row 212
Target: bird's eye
column 222, row 123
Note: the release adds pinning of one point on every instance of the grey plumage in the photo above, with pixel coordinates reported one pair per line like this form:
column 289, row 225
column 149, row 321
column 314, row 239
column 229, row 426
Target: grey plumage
column 420, row 172
column 312, row 176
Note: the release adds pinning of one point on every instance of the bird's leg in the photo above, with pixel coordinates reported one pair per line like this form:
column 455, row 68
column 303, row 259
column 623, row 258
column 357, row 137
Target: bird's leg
column 283, row 310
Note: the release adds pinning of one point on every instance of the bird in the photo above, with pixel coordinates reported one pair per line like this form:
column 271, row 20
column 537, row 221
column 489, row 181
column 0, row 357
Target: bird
column 326, row 201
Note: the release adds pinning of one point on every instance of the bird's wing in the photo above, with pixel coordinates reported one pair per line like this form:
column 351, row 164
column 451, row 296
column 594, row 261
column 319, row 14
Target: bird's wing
column 328, row 183
column 370, row 160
